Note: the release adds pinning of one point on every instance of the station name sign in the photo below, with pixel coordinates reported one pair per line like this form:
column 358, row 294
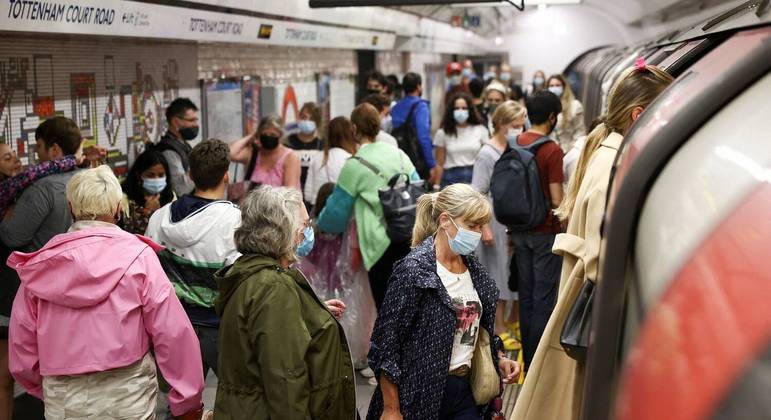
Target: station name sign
column 135, row 19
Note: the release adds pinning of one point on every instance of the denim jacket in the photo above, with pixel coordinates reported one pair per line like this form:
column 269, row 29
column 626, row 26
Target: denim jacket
column 413, row 336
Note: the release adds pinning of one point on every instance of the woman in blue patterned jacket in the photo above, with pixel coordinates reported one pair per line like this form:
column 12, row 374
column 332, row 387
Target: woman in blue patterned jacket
column 438, row 298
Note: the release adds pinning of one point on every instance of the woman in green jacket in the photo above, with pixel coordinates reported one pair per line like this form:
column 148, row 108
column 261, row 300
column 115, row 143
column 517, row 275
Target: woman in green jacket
column 282, row 353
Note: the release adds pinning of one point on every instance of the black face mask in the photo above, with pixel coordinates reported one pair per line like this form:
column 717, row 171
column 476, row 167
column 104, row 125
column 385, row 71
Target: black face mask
column 188, row 133
column 373, row 92
column 268, row 142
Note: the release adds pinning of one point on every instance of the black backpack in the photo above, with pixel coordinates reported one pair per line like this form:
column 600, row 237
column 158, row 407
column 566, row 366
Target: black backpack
column 399, row 201
column 406, row 136
column 519, row 201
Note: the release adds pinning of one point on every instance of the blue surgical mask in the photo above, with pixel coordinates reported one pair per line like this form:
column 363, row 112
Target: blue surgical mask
column 489, row 76
column 505, row 77
column 538, row 81
column 306, row 126
column 512, row 134
column 557, row 90
column 154, row 185
column 467, row 72
column 306, row 246
column 465, row 241
column 460, row 115
column 455, row 80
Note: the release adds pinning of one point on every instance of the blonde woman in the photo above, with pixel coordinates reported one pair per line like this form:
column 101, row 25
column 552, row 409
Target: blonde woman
column 508, row 121
column 553, row 372
column 438, row 298
column 570, row 122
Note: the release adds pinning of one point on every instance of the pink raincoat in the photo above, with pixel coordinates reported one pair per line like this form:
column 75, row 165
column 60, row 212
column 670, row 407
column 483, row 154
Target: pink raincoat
column 97, row 299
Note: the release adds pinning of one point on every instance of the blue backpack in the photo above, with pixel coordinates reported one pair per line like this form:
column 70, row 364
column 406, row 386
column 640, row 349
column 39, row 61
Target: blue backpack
column 519, row 201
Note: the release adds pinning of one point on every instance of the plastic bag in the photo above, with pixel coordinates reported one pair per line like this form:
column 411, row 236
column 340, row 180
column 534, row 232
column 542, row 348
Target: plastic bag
column 335, row 270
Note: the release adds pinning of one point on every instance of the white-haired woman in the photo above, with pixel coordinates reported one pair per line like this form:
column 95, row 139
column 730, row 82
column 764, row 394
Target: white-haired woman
column 439, row 300
column 92, row 303
column 282, row 353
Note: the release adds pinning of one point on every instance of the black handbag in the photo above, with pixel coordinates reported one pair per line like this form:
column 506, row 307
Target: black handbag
column 575, row 332
column 399, row 201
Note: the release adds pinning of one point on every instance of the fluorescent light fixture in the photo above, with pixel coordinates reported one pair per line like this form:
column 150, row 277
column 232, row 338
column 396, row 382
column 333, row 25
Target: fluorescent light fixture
column 542, row 6
column 527, row 3
column 499, row 40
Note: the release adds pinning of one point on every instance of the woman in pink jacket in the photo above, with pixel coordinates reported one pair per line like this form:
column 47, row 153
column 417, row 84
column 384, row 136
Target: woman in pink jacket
column 92, row 303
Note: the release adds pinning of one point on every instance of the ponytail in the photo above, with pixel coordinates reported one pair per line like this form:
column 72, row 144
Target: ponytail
column 593, row 141
column 458, row 201
column 426, row 223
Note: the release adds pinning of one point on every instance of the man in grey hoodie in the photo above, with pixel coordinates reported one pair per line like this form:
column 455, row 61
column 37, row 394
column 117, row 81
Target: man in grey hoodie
column 42, row 212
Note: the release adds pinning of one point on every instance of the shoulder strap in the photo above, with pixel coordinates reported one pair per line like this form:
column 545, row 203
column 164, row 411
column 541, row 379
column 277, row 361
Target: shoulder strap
column 367, row 164
column 412, row 111
column 532, row 148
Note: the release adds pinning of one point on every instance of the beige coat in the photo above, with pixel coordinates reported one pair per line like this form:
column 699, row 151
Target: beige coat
column 553, row 387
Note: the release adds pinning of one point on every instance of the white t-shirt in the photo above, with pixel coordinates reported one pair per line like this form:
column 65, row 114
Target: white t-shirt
column 320, row 173
column 383, row 137
column 468, row 312
column 462, row 149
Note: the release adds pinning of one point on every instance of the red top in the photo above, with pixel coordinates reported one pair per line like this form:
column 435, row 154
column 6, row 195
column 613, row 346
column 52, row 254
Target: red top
column 549, row 161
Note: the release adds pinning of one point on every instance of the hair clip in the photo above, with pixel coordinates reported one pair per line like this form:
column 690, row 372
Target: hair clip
column 640, row 64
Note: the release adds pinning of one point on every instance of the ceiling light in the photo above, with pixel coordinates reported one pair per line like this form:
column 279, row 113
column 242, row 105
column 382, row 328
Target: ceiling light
column 542, row 6
column 499, row 40
column 527, row 3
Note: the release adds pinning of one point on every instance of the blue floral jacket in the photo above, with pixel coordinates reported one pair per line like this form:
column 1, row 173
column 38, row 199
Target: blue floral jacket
column 413, row 336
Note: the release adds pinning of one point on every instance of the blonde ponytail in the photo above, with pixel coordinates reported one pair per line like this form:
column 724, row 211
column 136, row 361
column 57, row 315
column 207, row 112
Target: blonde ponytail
column 458, row 201
column 593, row 141
column 426, row 224
column 635, row 87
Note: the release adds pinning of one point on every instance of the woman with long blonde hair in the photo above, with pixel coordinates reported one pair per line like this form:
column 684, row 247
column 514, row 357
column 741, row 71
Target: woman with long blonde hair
column 570, row 122
column 553, row 372
column 440, row 301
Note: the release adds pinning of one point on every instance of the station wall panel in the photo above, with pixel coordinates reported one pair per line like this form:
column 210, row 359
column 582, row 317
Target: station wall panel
column 116, row 90
column 273, row 65
column 390, row 62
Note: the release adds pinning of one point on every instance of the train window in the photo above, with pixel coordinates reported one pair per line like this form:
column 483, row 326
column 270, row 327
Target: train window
column 680, row 53
column 663, row 53
column 707, row 178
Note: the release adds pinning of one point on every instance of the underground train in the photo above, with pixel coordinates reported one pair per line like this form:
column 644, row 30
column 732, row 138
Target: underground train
column 681, row 328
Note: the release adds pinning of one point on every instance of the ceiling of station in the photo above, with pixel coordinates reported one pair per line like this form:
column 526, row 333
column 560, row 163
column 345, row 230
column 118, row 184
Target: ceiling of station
column 632, row 12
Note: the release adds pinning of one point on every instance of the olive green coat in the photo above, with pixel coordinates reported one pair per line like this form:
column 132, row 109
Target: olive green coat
column 282, row 355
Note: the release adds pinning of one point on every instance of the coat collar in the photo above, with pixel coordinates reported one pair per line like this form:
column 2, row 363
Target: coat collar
column 613, row 141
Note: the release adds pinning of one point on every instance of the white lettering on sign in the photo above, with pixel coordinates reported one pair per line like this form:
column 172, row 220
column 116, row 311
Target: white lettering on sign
column 301, row 35
column 123, row 18
column 215, row 26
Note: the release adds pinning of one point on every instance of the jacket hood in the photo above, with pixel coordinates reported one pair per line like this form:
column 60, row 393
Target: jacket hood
column 79, row 269
column 196, row 226
column 229, row 278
